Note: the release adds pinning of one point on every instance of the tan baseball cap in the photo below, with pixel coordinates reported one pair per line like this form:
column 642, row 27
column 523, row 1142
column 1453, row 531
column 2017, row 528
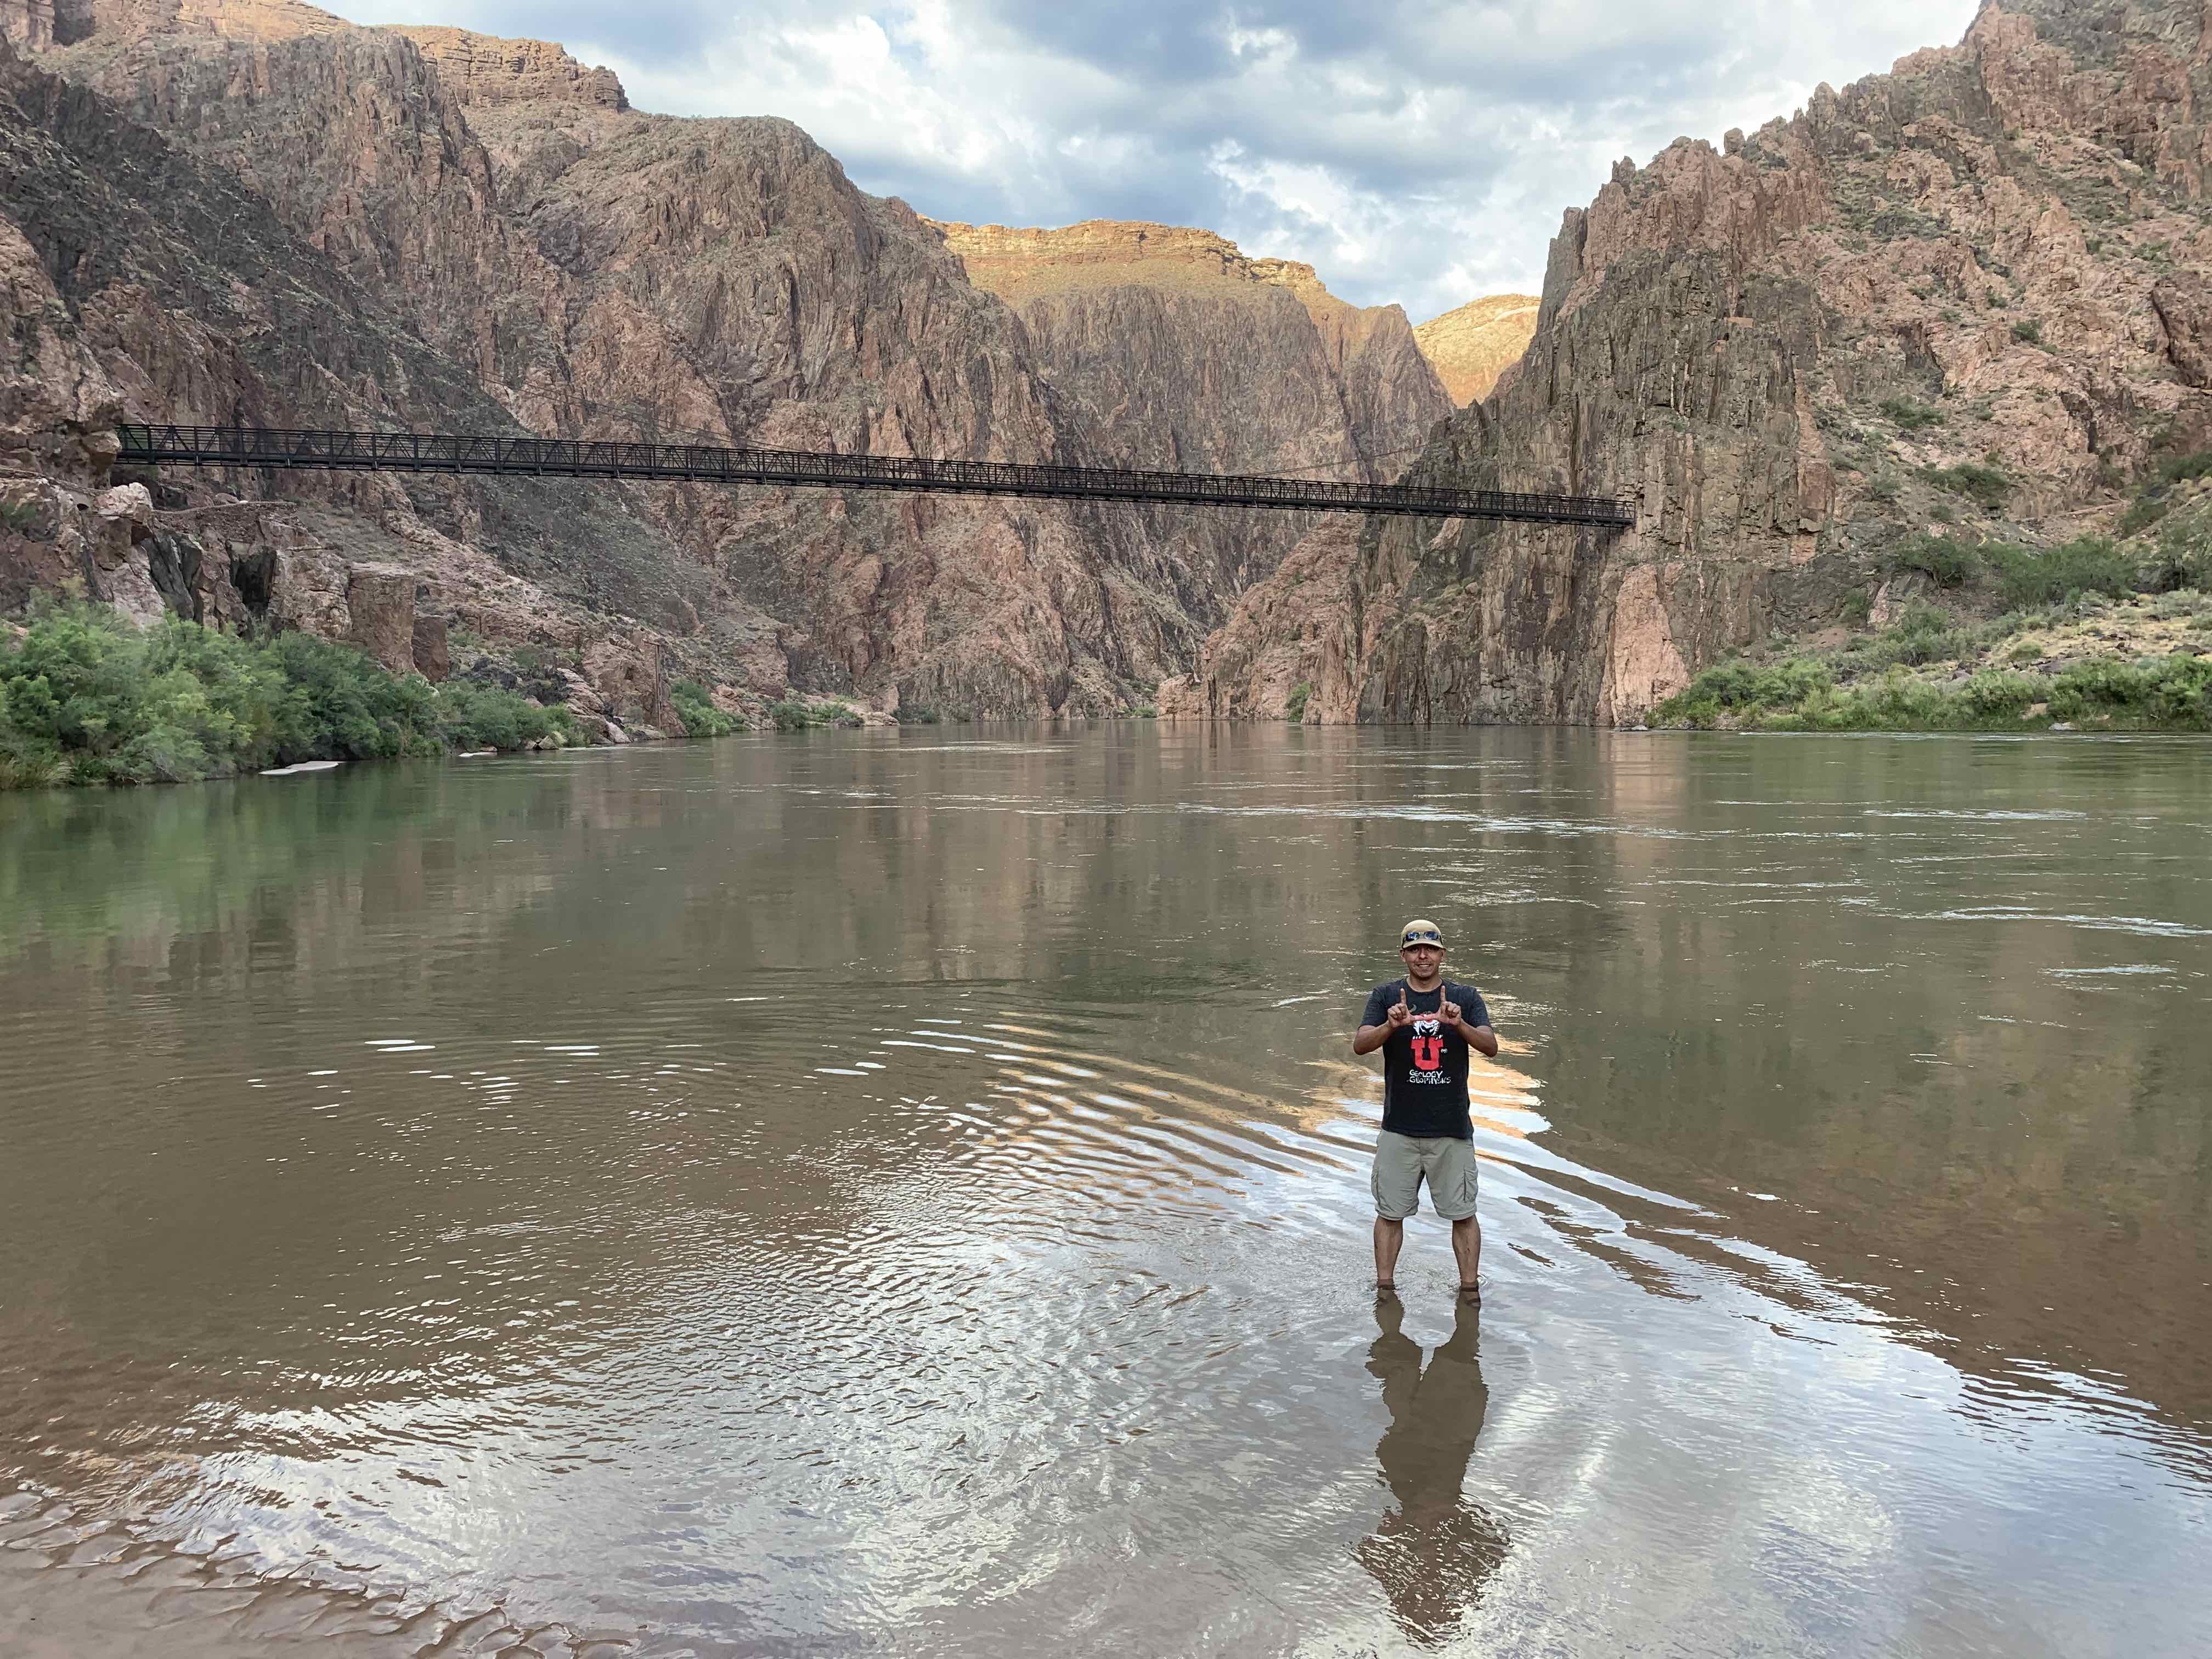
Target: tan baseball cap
column 1420, row 932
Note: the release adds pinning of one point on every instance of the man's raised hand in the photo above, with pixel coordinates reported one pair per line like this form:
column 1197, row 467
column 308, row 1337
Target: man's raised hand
column 1450, row 1011
column 1399, row 1013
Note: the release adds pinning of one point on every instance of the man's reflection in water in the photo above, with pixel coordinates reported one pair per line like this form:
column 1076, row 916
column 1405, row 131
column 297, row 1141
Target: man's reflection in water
column 1433, row 1555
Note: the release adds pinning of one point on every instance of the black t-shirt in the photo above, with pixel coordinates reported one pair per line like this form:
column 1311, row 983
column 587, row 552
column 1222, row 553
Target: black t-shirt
column 1425, row 1065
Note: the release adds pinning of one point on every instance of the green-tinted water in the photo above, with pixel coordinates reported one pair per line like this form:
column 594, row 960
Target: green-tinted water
column 906, row 1192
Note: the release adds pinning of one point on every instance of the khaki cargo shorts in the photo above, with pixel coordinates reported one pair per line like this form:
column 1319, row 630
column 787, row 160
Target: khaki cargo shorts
column 1402, row 1162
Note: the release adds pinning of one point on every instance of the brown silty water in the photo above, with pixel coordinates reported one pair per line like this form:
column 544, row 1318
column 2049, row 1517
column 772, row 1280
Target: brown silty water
column 906, row 1192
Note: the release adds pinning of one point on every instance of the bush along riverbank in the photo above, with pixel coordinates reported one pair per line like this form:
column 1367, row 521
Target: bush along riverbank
column 86, row 697
column 1979, row 635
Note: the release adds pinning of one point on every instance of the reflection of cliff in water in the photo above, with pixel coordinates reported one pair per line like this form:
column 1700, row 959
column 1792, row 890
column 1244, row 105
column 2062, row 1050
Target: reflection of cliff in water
column 1434, row 1553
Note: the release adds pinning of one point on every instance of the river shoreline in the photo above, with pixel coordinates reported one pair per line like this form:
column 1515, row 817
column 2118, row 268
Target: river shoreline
column 2094, row 663
column 88, row 699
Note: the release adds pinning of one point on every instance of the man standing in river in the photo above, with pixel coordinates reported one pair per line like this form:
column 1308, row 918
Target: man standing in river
column 1426, row 1025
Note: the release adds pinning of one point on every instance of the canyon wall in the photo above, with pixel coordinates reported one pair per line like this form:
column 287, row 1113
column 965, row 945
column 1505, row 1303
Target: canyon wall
column 494, row 240
column 1966, row 296
column 1183, row 354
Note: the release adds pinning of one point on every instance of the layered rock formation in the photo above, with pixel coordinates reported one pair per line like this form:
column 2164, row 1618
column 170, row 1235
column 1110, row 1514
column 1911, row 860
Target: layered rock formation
column 1964, row 295
column 1473, row 344
column 319, row 224
column 1183, row 354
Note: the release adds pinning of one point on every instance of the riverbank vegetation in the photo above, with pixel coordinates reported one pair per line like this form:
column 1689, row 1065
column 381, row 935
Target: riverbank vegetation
column 86, row 697
column 796, row 713
column 694, row 706
column 1980, row 634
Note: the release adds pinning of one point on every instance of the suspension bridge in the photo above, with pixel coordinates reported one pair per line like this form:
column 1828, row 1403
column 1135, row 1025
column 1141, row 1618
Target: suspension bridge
column 444, row 452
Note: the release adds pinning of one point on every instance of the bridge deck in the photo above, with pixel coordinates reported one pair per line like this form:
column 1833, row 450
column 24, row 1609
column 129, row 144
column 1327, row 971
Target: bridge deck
column 433, row 452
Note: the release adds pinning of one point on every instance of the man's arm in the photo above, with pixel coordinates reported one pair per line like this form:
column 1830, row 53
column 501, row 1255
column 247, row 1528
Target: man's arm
column 1372, row 1036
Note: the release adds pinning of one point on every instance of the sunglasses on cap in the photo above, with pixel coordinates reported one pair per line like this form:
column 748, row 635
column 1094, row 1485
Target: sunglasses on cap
column 1424, row 936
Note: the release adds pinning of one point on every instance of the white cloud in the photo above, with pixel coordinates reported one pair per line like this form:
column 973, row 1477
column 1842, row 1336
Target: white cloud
column 1414, row 150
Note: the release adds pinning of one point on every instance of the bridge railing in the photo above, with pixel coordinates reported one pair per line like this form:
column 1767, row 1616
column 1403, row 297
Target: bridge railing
column 435, row 451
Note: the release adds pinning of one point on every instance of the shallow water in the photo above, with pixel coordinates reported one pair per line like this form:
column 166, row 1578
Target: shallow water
column 906, row 1192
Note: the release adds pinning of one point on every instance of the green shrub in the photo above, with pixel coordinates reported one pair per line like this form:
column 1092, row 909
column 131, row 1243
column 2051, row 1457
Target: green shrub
column 2184, row 468
column 1985, row 486
column 1897, row 703
column 86, row 697
column 694, row 707
column 2174, row 691
column 477, row 716
column 1911, row 416
column 2181, row 557
column 1943, row 560
column 2089, row 564
column 2029, row 330
column 341, row 705
column 2146, row 510
column 1922, row 634
column 1294, row 706
column 1738, row 685
column 2157, row 496
column 2001, row 692
column 796, row 714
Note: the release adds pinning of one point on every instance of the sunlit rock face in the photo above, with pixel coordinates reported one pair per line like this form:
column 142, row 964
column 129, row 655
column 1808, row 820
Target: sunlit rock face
column 1470, row 346
column 1780, row 351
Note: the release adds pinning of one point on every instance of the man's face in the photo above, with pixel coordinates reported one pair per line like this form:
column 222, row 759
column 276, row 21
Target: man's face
column 1422, row 960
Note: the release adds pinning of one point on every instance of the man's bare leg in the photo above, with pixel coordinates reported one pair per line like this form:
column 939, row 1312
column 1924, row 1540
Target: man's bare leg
column 1389, row 1236
column 1467, row 1245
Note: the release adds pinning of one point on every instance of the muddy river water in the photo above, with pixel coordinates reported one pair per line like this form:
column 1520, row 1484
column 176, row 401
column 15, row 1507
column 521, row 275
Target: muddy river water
column 906, row 1192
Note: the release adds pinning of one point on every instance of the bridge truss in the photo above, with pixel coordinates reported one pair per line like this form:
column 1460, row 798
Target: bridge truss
column 438, row 452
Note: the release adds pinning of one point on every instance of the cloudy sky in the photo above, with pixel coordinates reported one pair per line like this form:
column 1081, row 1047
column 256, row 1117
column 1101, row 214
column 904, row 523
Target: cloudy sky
column 1413, row 150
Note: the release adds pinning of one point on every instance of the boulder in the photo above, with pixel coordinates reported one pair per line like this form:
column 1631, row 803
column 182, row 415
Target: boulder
column 128, row 506
column 380, row 606
column 432, row 657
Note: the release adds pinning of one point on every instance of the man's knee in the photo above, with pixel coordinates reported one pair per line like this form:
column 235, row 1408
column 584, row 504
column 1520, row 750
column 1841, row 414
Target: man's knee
column 1396, row 1182
column 1453, row 1180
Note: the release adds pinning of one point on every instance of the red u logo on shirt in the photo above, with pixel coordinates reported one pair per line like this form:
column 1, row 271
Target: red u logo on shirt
column 1429, row 1053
